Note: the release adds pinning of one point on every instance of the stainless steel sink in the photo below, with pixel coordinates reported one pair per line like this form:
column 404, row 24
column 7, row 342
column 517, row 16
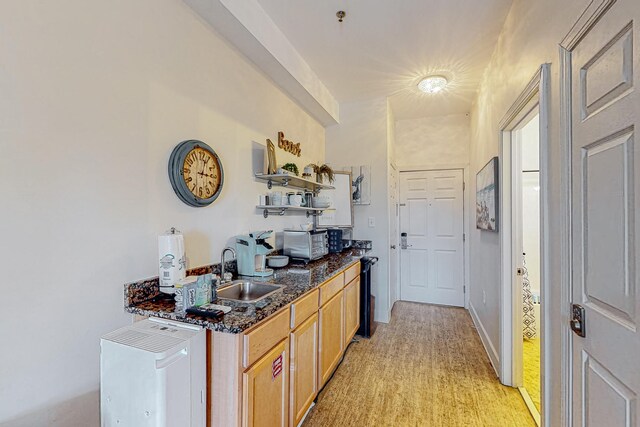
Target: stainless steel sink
column 246, row 291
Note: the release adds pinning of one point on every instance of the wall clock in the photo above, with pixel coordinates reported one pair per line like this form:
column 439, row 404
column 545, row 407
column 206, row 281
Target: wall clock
column 195, row 172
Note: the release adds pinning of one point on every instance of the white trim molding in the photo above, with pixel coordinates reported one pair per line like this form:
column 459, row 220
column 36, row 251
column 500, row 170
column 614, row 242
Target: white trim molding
column 592, row 14
column 589, row 16
column 535, row 95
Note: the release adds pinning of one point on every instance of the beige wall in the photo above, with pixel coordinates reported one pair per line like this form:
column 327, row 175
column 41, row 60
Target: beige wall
column 95, row 95
column 530, row 37
column 433, row 141
column 362, row 138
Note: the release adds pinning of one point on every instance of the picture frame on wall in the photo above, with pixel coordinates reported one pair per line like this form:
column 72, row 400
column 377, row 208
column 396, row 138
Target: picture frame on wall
column 487, row 197
column 361, row 184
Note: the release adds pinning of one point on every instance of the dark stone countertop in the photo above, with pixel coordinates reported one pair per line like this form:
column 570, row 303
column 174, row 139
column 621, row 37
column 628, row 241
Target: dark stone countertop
column 298, row 279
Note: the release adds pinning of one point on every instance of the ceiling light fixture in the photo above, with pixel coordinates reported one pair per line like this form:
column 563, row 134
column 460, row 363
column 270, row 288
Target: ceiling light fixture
column 432, row 84
column 341, row 14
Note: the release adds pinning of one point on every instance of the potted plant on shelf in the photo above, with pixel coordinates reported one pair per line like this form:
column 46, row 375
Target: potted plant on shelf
column 291, row 167
column 321, row 171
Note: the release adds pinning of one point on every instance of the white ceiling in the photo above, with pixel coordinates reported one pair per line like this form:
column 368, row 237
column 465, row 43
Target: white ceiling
column 384, row 47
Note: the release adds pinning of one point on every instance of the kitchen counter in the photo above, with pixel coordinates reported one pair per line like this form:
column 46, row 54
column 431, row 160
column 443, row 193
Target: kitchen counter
column 297, row 280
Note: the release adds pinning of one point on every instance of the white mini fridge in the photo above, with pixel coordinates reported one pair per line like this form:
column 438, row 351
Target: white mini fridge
column 153, row 373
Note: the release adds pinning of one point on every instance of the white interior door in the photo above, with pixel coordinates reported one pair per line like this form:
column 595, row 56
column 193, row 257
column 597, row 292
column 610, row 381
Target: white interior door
column 431, row 214
column 605, row 109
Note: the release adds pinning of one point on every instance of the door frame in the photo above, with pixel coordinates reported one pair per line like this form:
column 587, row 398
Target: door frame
column 535, row 95
column 394, row 282
column 465, row 220
column 591, row 14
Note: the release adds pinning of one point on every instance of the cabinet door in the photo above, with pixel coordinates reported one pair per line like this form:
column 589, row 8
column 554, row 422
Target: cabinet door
column 352, row 310
column 303, row 368
column 265, row 390
column 331, row 336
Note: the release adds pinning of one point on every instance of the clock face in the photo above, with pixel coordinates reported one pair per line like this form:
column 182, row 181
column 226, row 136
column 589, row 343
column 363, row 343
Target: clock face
column 201, row 173
column 195, row 172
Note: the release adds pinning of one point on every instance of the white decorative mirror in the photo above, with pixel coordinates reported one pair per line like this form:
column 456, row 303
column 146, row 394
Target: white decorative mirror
column 342, row 213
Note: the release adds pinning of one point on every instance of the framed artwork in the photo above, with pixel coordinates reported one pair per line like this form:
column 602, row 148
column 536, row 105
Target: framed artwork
column 487, row 197
column 361, row 184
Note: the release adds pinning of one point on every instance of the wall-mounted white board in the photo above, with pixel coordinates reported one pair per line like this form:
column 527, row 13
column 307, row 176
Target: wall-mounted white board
column 341, row 214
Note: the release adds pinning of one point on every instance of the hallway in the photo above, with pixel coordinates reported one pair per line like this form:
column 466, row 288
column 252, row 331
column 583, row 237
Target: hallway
column 427, row 367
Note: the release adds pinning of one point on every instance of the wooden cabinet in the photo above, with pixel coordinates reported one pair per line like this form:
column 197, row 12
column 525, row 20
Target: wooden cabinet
column 351, row 273
column 331, row 337
column 303, row 368
column 351, row 310
column 330, row 288
column 263, row 337
column 270, row 374
column 304, row 307
column 265, row 389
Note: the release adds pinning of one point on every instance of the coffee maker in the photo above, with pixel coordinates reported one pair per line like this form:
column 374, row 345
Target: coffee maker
column 252, row 253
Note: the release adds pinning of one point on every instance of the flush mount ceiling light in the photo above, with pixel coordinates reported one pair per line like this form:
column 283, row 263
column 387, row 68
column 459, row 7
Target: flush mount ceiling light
column 432, row 84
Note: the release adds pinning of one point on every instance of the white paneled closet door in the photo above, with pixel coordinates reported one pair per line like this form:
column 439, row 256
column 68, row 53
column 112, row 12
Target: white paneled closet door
column 431, row 215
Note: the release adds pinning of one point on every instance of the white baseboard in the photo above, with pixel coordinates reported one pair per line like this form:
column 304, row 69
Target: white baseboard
column 486, row 342
column 530, row 405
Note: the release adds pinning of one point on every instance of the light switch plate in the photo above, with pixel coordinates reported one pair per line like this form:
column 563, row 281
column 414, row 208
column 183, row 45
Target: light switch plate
column 372, row 222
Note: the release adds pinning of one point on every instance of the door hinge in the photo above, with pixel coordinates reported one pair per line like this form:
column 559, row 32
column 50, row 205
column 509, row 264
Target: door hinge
column 464, row 237
column 464, row 185
column 464, row 289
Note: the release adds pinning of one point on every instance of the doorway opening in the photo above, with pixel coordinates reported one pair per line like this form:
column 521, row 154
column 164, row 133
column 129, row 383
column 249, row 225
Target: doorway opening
column 524, row 237
column 526, row 227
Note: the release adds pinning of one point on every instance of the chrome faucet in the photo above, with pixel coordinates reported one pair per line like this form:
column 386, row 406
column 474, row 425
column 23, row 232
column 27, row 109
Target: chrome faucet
column 224, row 251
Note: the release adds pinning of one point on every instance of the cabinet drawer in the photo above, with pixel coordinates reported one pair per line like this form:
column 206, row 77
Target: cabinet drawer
column 261, row 339
column 351, row 273
column 303, row 308
column 331, row 287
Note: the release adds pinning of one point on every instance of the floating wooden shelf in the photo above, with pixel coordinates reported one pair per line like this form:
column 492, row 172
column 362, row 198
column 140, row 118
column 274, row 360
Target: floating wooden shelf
column 292, row 181
column 281, row 210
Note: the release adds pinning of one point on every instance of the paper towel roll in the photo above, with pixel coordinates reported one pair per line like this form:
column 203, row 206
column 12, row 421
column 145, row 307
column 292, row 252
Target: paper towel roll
column 172, row 260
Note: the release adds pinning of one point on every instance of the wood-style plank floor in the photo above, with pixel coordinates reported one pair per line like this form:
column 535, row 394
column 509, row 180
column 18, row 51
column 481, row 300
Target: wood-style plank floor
column 427, row 367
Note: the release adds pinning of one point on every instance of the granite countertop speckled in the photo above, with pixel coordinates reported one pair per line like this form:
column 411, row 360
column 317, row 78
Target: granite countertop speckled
column 297, row 279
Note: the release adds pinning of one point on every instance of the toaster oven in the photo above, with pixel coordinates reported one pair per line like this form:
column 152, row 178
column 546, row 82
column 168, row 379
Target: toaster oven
column 306, row 245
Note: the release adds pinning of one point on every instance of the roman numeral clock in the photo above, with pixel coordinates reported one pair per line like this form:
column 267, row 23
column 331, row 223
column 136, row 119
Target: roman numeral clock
column 195, row 172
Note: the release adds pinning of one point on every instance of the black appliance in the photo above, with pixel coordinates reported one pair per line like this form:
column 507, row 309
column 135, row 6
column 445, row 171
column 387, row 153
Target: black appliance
column 367, row 301
column 335, row 240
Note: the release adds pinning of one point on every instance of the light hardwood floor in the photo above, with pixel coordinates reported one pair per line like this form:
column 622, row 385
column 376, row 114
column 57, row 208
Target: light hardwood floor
column 427, row 367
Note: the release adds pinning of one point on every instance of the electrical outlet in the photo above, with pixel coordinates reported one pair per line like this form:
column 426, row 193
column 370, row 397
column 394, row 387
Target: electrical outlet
column 372, row 222
column 484, row 297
